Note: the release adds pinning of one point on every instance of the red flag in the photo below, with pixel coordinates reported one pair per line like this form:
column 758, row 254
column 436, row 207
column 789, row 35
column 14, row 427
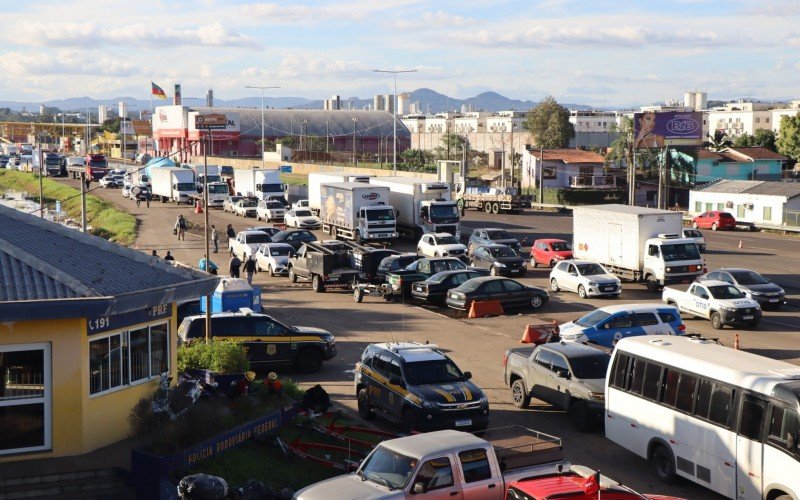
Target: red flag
column 591, row 484
column 158, row 91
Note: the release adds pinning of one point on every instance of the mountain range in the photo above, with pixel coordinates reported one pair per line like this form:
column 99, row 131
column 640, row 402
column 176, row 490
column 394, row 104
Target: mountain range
column 428, row 101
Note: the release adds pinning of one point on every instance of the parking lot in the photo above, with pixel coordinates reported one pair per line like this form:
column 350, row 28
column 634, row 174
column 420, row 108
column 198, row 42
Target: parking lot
column 478, row 345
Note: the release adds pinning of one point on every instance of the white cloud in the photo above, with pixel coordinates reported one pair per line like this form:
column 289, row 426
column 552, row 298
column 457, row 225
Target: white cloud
column 298, row 66
column 433, row 21
column 66, row 62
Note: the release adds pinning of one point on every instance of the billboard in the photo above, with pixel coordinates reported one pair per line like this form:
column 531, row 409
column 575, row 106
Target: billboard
column 670, row 128
column 215, row 125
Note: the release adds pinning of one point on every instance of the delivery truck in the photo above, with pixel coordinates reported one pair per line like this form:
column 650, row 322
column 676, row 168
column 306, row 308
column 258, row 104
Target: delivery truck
column 637, row 244
column 200, row 172
column 357, row 211
column 173, row 184
column 421, row 206
column 317, row 179
column 261, row 183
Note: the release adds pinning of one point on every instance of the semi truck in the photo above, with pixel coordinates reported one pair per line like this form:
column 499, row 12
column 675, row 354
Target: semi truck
column 317, row 179
column 421, row 206
column 491, row 200
column 261, row 183
column 357, row 211
column 173, row 184
column 642, row 245
column 95, row 167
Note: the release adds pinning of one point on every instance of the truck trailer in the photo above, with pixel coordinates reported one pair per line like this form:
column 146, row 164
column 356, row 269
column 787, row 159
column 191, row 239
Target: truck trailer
column 357, row 211
column 421, row 206
column 261, row 183
column 173, row 184
column 637, row 244
column 317, row 179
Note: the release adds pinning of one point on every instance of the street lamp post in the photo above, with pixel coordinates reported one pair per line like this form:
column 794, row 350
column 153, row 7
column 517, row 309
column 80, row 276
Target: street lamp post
column 262, row 88
column 394, row 111
column 354, row 139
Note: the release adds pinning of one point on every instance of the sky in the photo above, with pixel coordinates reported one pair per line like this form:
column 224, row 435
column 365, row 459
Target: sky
column 603, row 53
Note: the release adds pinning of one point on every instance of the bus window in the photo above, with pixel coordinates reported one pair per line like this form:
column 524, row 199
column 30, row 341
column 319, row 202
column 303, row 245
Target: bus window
column 637, row 375
column 720, row 409
column 620, row 372
column 751, row 422
column 670, row 387
column 703, row 399
column 652, row 381
column 784, row 428
column 686, row 392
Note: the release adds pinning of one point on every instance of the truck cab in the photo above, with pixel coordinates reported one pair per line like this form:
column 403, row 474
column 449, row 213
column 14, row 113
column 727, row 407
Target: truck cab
column 440, row 216
column 670, row 259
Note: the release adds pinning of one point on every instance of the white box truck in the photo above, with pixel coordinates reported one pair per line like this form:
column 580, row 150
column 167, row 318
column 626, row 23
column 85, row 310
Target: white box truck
column 199, row 169
column 357, row 211
column 317, row 179
column 421, row 206
column 173, row 184
column 217, row 192
column 637, row 244
column 261, row 183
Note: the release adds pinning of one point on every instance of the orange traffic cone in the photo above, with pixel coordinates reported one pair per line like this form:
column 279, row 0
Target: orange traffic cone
column 736, row 341
column 740, row 244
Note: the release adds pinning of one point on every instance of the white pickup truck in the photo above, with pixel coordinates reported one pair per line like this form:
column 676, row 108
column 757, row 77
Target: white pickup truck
column 246, row 243
column 719, row 301
column 446, row 464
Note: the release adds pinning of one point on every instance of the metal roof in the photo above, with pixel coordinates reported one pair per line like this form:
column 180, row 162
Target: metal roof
column 44, row 261
column 624, row 209
column 766, row 188
column 311, row 122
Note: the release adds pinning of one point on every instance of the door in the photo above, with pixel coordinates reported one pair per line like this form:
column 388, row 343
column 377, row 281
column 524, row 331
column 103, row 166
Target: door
column 616, row 327
column 436, row 480
column 543, row 363
column 25, row 398
column 378, row 383
column 557, row 380
column 647, row 323
column 271, row 342
column 480, row 480
column 698, row 303
column 517, row 295
column 571, row 279
column 749, row 447
column 493, row 290
column 480, row 258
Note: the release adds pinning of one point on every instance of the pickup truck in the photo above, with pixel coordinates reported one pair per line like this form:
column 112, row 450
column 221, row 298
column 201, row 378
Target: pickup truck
column 326, row 263
column 446, row 464
column 718, row 301
column 422, row 269
column 569, row 376
column 246, row 243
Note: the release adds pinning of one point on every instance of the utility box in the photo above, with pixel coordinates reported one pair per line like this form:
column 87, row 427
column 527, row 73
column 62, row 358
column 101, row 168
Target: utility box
column 231, row 295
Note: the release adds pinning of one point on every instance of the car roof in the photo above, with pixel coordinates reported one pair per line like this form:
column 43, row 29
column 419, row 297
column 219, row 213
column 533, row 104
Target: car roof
column 551, row 240
column 439, row 235
column 434, row 443
column 579, row 262
column 253, row 231
column 488, row 229
column 735, row 270
column 278, row 245
column 494, row 245
column 481, row 279
column 412, row 351
column 634, row 307
column 574, row 349
column 715, row 283
column 237, row 314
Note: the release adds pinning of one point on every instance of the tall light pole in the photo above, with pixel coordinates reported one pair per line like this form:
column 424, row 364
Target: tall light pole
column 354, row 139
column 262, row 88
column 394, row 111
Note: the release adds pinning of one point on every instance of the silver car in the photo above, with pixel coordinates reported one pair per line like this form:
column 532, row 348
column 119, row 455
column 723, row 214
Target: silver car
column 587, row 279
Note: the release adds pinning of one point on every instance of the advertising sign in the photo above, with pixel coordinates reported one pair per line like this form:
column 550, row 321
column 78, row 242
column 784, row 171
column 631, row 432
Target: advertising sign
column 212, row 121
column 286, row 169
column 216, row 125
column 169, row 121
column 671, row 128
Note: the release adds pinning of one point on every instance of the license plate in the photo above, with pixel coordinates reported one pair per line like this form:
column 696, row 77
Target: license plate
column 463, row 423
column 747, row 317
column 774, row 300
column 515, row 270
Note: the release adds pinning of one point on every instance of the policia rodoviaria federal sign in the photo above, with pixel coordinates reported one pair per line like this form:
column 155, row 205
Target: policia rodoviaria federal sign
column 212, row 121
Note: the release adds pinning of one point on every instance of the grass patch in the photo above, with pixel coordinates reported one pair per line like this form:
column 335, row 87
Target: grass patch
column 294, row 179
column 106, row 221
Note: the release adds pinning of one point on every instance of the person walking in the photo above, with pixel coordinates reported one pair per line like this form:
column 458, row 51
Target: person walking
column 180, row 227
column 169, row 256
column 230, row 232
column 139, row 197
column 147, row 197
column 249, row 269
column 215, row 237
column 233, row 266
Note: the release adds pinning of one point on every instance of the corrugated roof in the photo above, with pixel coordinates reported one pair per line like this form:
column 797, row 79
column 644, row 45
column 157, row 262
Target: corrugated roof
column 772, row 188
column 759, row 153
column 42, row 260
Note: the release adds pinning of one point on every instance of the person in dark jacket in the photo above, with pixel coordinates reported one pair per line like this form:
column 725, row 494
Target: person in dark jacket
column 233, row 266
column 249, row 269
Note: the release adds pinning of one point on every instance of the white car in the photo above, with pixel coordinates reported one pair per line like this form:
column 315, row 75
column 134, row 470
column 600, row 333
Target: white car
column 697, row 237
column 440, row 245
column 229, row 202
column 111, row 181
column 588, row 279
column 301, row 218
column 301, row 204
column 274, row 257
column 270, row 210
column 246, row 207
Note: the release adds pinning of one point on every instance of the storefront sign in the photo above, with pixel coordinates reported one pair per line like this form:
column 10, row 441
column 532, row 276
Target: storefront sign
column 212, row 121
column 102, row 324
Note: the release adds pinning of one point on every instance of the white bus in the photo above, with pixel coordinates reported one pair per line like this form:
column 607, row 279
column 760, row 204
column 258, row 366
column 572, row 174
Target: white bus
column 723, row 418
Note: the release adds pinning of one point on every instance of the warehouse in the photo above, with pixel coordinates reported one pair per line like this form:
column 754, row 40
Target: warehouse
column 763, row 203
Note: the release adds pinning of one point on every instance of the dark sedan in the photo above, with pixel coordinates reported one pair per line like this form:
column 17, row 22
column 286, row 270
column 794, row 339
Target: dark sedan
column 767, row 294
column 509, row 292
column 270, row 230
column 434, row 289
column 294, row 237
column 500, row 260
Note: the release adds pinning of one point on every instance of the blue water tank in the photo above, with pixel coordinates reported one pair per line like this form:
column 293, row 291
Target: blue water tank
column 158, row 162
column 231, row 295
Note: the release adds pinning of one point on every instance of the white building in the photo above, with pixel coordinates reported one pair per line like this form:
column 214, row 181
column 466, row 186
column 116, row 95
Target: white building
column 565, row 168
column 737, row 118
column 768, row 203
column 102, row 113
column 777, row 114
column 594, row 128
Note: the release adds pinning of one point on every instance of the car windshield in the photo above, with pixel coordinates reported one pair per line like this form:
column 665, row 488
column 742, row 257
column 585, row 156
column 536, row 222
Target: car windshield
column 680, row 251
column 592, row 319
column 279, row 251
column 186, row 186
column 447, row 240
column 444, row 213
column 271, row 188
column 590, row 367
column 725, row 292
column 387, row 468
column 501, row 252
column 447, row 265
column 258, row 238
column 590, row 269
column 302, row 213
column 274, row 204
column 234, row 199
column 748, row 278
column 380, row 214
column 248, row 203
column 498, row 235
column 436, row 371
column 692, row 233
column 561, row 246
column 218, row 189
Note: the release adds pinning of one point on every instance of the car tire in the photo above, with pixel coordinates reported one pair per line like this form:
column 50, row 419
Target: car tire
column 408, row 422
column 519, row 394
column 358, row 295
column 271, row 271
column 536, row 302
column 695, row 225
column 579, row 416
column 552, row 263
column 713, row 226
column 309, row 360
column 493, row 271
column 716, row 321
column 663, row 464
column 317, row 284
column 534, row 263
column 651, row 283
column 554, row 285
column 364, row 408
column 581, row 292
column 292, row 276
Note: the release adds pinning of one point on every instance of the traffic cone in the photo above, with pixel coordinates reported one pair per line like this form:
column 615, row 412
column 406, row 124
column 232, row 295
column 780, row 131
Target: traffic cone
column 736, row 341
column 740, row 244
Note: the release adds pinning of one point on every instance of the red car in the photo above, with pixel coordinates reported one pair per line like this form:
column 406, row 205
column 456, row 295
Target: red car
column 578, row 483
column 548, row 252
column 714, row 220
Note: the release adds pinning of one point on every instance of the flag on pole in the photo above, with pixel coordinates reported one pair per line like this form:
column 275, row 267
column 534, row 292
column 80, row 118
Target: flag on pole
column 157, row 91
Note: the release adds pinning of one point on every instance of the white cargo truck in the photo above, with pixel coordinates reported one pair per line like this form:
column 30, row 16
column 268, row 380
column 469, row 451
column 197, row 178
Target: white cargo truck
column 261, row 183
column 317, row 179
column 421, row 206
column 199, row 174
column 217, row 192
column 357, row 211
column 637, row 244
column 173, row 184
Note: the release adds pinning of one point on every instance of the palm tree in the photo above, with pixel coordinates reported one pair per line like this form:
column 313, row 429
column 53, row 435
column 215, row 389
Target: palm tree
column 718, row 142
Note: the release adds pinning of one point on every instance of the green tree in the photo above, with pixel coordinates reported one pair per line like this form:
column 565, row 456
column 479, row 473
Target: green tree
column 718, row 142
column 788, row 141
column 416, row 159
column 549, row 126
column 762, row 139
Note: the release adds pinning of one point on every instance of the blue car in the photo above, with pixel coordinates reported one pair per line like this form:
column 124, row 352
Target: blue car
column 605, row 326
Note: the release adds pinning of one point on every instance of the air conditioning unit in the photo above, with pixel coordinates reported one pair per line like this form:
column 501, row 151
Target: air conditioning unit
column 749, row 206
column 728, row 204
column 234, row 153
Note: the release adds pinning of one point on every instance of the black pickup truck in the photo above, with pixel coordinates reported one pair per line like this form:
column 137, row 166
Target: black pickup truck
column 422, row 269
column 326, row 263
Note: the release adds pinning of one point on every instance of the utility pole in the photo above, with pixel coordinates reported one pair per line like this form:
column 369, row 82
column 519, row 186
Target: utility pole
column 354, row 139
column 83, row 201
column 541, row 174
column 262, row 88
column 205, row 217
column 394, row 111
column 41, row 182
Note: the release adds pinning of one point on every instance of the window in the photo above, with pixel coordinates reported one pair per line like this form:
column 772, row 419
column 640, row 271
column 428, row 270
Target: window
column 620, row 371
column 493, row 287
column 740, row 211
column 560, row 364
column 381, row 365
column 751, row 421
column 512, row 286
column 652, row 381
column 621, row 320
column 686, row 388
column 670, row 387
column 545, row 358
column 435, row 474
column 394, row 370
column 637, row 375
column 758, row 120
column 266, row 327
column 698, row 206
column 475, row 465
column 24, row 398
column 666, row 317
column 709, row 206
column 128, row 357
column 784, row 428
column 644, row 319
column 767, row 213
column 720, row 206
column 721, row 403
column 549, row 172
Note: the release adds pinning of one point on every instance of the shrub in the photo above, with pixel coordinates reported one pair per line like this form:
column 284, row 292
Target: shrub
column 219, row 356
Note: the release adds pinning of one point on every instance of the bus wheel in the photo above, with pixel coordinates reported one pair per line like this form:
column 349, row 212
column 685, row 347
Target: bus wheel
column 663, row 464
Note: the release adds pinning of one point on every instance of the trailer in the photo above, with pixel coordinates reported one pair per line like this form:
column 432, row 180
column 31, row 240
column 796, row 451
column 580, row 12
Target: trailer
column 357, row 211
column 421, row 205
column 493, row 200
column 260, row 183
column 317, row 179
column 173, row 184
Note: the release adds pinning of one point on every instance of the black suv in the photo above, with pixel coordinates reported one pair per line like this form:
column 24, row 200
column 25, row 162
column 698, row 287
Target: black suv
column 268, row 341
column 418, row 387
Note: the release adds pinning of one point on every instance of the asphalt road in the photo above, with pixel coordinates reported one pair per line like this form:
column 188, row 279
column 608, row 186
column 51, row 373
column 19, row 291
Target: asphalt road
column 478, row 345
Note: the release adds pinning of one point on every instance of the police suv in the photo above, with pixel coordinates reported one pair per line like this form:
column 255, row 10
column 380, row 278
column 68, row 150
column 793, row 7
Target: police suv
column 418, row 387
